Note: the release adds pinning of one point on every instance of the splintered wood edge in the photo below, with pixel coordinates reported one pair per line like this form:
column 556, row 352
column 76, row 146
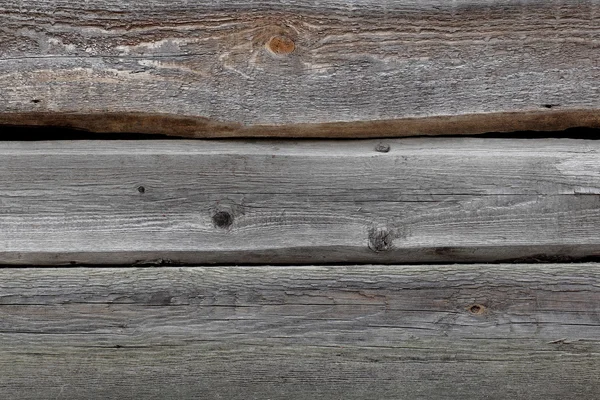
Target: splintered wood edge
column 200, row 127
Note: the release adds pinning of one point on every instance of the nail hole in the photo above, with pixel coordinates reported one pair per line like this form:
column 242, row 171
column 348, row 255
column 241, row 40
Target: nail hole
column 222, row 219
column 382, row 148
column 477, row 309
column 281, row 45
column 35, row 101
column 141, row 189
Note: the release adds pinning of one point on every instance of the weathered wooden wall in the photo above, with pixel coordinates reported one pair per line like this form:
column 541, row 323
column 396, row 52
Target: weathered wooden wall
column 362, row 322
column 341, row 332
column 299, row 68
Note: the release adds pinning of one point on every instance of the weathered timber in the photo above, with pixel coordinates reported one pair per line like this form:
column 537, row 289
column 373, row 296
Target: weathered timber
column 355, row 332
column 300, row 68
column 394, row 201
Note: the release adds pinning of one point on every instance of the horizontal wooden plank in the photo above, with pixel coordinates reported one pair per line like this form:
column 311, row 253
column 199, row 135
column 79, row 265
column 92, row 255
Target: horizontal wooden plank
column 300, row 68
column 396, row 201
column 384, row 332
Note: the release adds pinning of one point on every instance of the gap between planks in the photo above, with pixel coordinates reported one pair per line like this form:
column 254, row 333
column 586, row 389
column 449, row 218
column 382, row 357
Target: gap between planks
column 201, row 127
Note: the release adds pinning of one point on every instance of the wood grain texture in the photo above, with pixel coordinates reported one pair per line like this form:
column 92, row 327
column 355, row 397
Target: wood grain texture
column 352, row 332
column 394, row 201
column 300, row 68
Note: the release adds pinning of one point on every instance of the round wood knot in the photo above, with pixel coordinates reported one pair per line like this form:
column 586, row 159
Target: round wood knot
column 477, row 309
column 222, row 219
column 380, row 240
column 281, row 45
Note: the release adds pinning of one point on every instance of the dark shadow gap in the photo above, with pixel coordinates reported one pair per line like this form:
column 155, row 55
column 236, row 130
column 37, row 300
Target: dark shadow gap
column 28, row 133
column 571, row 133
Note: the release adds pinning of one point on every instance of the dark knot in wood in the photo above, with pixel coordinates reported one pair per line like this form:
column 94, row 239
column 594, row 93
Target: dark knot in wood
column 222, row 219
column 380, row 239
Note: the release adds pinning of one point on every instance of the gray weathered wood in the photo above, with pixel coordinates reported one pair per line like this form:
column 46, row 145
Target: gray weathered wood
column 300, row 68
column 298, row 202
column 381, row 332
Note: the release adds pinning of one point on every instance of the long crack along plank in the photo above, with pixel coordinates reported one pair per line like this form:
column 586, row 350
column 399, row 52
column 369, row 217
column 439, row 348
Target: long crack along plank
column 261, row 202
column 384, row 332
column 298, row 68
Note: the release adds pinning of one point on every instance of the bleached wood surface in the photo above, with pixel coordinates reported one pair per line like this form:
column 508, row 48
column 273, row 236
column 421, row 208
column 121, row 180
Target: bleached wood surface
column 394, row 201
column 300, row 68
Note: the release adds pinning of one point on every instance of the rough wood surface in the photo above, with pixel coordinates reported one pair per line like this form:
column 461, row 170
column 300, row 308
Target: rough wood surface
column 356, row 332
column 300, row 68
column 395, row 201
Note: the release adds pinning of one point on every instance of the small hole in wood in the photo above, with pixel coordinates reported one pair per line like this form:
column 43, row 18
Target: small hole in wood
column 141, row 189
column 35, row 101
column 382, row 148
column 477, row 309
column 222, row 219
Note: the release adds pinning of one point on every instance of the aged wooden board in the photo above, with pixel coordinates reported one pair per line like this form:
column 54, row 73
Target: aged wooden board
column 383, row 332
column 300, row 68
column 395, row 201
